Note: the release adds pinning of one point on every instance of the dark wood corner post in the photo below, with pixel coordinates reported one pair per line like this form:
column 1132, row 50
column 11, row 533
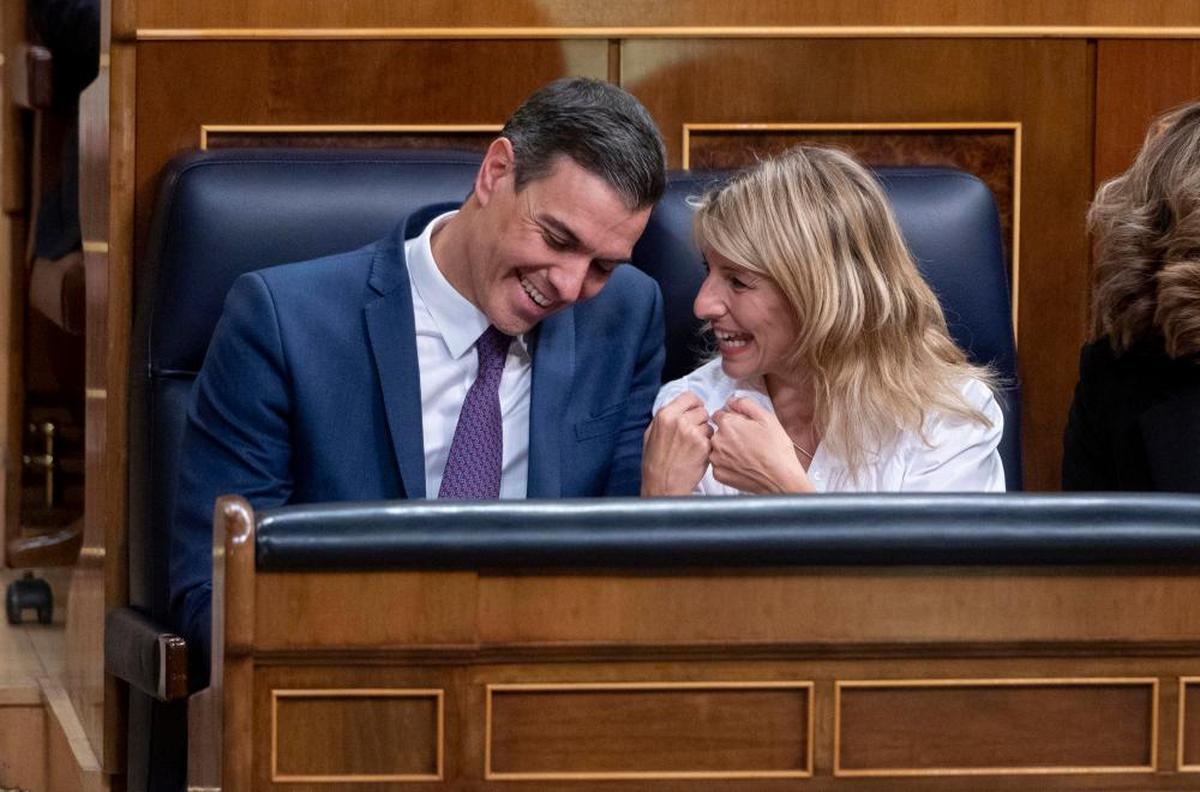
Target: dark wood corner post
column 233, row 637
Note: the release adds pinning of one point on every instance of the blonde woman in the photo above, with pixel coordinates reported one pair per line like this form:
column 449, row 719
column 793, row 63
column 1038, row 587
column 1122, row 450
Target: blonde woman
column 835, row 370
column 1135, row 420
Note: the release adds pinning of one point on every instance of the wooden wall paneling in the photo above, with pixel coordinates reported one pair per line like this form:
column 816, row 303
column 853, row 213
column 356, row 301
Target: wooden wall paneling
column 822, row 607
column 108, row 445
column 234, row 606
column 389, row 734
column 825, row 81
column 72, row 765
column 994, row 15
column 1135, row 81
column 1103, row 717
column 996, row 727
column 347, row 83
column 474, row 137
column 13, row 218
column 990, row 152
column 85, row 681
column 703, row 731
column 23, row 731
column 1188, row 745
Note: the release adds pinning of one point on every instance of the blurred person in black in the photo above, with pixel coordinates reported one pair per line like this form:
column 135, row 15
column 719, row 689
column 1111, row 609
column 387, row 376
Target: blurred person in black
column 70, row 30
column 1135, row 420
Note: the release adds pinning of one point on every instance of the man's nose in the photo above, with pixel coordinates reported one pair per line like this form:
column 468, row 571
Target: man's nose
column 568, row 279
column 708, row 304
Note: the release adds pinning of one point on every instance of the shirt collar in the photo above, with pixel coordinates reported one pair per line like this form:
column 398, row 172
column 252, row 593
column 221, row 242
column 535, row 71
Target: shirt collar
column 456, row 318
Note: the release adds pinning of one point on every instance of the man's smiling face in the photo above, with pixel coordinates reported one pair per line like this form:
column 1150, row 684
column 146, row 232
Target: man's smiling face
column 547, row 246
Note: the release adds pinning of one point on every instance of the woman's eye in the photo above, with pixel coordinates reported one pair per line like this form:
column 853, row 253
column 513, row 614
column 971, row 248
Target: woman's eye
column 554, row 243
column 738, row 283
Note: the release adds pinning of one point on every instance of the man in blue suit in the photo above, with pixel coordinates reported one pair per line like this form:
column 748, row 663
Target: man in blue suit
column 490, row 350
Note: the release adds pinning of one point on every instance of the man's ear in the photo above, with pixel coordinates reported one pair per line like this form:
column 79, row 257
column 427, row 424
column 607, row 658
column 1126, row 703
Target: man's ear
column 498, row 164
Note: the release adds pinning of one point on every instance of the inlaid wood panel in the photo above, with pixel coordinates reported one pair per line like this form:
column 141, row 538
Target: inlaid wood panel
column 649, row 730
column 927, row 81
column 314, row 726
column 1136, row 81
column 989, row 152
column 469, row 138
column 345, row 83
column 1189, row 724
column 385, row 734
column 996, row 727
column 643, row 13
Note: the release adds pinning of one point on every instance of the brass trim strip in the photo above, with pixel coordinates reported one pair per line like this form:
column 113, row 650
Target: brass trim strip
column 693, row 775
column 339, row 129
column 839, row 685
column 95, row 246
column 903, row 126
column 95, row 393
column 435, row 693
column 670, row 32
column 1181, row 765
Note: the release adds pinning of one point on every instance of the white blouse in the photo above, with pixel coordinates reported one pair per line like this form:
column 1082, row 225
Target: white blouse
column 961, row 455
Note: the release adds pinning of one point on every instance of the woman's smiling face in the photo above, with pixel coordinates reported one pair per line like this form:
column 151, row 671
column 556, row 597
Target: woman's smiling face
column 750, row 318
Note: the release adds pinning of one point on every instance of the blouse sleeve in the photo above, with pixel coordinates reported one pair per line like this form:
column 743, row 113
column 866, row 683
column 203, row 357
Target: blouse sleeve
column 961, row 455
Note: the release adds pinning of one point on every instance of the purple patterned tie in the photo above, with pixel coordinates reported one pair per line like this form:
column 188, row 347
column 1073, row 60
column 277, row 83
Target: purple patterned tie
column 477, row 450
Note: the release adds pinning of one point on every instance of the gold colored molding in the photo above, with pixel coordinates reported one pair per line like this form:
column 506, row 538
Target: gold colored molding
column 434, row 693
column 95, row 393
column 340, row 129
column 95, row 246
column 901, row 684
column 692, row 775
column 1180, row 763
column 1014, row 127
column 670, row 32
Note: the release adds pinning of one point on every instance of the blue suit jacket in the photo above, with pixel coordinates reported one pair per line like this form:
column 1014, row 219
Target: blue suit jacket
column 310, row 392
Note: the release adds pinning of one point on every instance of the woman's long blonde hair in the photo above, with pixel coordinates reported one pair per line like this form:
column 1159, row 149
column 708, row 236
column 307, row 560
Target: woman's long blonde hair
column 1146, row 224
column 871, row 336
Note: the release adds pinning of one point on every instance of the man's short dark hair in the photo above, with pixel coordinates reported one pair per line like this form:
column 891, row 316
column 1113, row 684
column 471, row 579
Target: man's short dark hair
column 603, row 128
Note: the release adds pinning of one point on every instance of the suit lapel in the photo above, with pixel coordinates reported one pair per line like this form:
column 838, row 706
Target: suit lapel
column 392, row 335
column 553, row 370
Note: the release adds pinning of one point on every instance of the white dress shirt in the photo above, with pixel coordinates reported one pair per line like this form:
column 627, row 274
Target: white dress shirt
column 961, row 455
column 447, row 327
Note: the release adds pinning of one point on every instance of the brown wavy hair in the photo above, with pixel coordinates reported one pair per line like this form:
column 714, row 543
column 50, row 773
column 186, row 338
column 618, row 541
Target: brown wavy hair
column 1146, row 224
column 871, row 334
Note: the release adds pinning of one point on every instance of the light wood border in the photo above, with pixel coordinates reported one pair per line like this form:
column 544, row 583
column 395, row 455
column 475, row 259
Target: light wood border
column 1151, row 682
column 436, row 694
column 1015, row 127
column 339, row 129
column 1180, row 765
column 671, row 32
column 647, row 775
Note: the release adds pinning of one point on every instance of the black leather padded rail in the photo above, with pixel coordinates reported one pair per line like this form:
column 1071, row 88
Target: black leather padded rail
column 877, row 530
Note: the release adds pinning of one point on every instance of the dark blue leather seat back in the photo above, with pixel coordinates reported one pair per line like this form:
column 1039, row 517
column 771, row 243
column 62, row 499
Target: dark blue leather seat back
column 221, row 214
column 950, row 224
